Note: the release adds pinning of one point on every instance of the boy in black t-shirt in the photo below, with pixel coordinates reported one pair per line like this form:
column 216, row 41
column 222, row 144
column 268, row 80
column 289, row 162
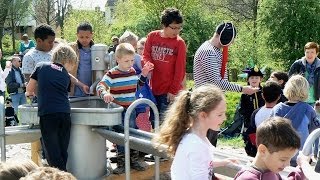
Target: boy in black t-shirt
column 53, row 81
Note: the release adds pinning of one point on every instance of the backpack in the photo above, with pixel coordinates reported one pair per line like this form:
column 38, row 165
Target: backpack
column 144, row 92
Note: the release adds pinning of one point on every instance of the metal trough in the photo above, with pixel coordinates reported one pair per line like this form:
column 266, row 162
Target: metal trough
column 21, row 134
column 87, row 149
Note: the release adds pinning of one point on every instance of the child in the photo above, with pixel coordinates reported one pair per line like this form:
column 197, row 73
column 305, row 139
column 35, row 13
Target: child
column 281, row 78
column 301, row 114
column 184, row 132
column 271, row 93
column 119, row 86
column 140, row 45
column 53, row 80
column 167, row 51
column 113, row 46
column 130, row 37
column 12, row 170
column 42, row 173
column 248, row 103
column 44, row 36
column 82, row 69
column 277, row 143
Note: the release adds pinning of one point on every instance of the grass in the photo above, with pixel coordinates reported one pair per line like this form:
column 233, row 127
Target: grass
column 235, row 142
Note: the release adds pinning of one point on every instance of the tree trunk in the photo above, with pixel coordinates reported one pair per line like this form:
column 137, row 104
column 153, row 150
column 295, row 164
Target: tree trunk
column 255, row 14
column 3, row 15
column 12, row 35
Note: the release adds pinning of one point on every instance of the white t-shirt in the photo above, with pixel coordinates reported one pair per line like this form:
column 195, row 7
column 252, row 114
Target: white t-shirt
column 31, row 59
column 193, row 159
column 262, row 115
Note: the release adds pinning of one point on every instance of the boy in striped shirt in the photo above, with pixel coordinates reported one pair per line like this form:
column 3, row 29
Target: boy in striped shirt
column 119, row 85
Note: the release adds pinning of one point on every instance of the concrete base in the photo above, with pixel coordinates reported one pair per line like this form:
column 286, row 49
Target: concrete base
column 87, row 153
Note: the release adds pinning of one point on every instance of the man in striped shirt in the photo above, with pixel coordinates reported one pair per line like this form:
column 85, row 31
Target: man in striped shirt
column 209, row 67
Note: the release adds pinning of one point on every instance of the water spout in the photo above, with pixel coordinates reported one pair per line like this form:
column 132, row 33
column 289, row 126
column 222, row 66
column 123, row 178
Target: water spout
column 93, row 86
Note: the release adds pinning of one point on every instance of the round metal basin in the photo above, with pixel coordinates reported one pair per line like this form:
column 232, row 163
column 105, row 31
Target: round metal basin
column 84, row 110
column 94, row 111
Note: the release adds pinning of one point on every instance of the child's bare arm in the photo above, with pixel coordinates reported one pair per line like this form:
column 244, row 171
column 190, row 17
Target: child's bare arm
column 78, row 83
column 308, row 171
column 31, row 87
column 225, row 162
column 103, row 90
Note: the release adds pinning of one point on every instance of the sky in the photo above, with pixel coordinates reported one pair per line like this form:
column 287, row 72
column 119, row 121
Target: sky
column 88, row 4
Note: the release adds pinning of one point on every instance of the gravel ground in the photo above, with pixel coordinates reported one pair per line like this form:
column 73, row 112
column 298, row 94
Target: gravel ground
column 18, row 151
column 23, row 151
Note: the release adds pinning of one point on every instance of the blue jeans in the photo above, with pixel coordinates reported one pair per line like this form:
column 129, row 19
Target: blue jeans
column 132, row 124
column 162, row 105
column 18, row 99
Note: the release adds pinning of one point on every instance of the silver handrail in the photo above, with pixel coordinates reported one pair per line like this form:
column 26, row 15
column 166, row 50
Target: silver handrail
column 307, row 147
column 2, row 130
column 126, row 134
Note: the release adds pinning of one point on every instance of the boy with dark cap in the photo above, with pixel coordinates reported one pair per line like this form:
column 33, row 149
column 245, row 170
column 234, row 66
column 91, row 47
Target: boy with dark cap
column 210, row 64
column 249, row 103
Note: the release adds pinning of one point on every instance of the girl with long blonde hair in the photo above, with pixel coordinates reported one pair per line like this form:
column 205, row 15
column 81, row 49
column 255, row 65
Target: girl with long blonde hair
column 184, row 131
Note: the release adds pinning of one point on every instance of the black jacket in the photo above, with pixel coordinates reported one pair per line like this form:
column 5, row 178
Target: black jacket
column 249, row 103
column 12, row 85
column 299, row 67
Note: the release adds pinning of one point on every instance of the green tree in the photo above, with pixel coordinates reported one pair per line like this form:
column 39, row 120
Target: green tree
column 95, row 18
column 44, row 11
column 143, row 16
column 287, row 26
column 18, row 10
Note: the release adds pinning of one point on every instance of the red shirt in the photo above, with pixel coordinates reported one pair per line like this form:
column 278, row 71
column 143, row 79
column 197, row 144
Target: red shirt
column 169, row 58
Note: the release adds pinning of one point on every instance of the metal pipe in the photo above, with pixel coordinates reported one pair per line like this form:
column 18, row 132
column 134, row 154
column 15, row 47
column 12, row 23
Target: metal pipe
column 137, row 132
column 2, row 130
column 307, row 147
column 140, row 143
column 126, row 134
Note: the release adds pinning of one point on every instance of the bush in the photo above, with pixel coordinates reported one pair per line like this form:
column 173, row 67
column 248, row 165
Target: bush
column 233, row 99
column 7, row 45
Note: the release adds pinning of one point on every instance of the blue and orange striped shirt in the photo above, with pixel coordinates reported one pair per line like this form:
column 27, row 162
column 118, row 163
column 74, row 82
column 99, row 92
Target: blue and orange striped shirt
column 121, row 85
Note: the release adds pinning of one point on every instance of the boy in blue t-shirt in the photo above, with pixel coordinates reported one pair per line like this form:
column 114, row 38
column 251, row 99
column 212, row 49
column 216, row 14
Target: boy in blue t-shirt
column 53, row 81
